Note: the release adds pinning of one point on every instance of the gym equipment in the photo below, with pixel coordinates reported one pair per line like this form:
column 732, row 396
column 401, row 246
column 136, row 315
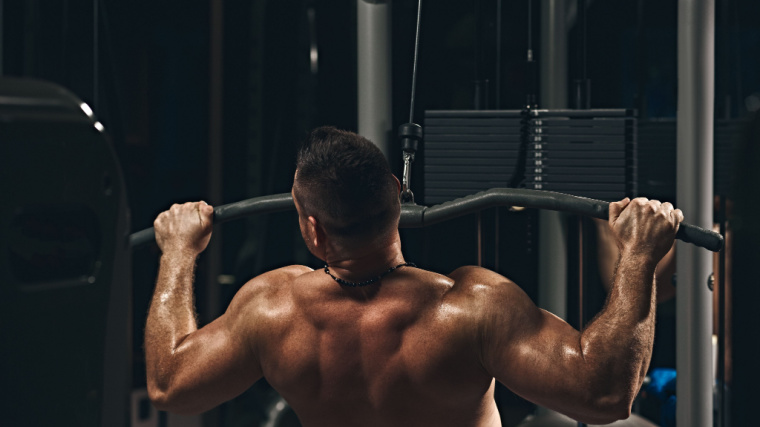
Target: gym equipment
column 413, row 215
column 471, row 151
column 588, row 153
column 65, row 268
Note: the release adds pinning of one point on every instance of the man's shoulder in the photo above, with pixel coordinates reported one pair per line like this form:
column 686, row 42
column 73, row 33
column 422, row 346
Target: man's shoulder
column 279, row 275
column 478, row 284
column 269, row 285
column 471, row 275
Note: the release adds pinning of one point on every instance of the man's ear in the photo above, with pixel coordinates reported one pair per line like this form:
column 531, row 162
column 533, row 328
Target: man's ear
column 316, row 233
column 398, row 183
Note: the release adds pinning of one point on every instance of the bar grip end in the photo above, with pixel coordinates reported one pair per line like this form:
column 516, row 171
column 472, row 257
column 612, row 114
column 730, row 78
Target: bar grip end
column 701, row 237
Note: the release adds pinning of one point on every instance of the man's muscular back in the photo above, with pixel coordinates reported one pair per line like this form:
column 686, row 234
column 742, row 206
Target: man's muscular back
column 404, row 352
column 416, row 349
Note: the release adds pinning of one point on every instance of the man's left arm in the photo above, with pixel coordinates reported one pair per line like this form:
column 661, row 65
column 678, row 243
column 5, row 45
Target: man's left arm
column 191, row 370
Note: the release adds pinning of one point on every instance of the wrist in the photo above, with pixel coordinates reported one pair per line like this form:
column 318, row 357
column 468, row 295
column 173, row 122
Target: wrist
column 639, row 251
column 640, row 259
column 179, row 253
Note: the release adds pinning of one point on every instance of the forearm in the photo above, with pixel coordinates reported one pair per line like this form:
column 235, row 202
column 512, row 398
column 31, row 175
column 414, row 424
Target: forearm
column 618, row 343
column 171, row 317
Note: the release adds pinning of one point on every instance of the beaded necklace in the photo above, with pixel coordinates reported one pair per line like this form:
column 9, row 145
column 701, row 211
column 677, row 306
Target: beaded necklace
column 366, row 282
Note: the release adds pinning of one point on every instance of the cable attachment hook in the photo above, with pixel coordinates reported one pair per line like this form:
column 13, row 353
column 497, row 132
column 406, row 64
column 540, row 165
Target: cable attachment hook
column 411, row 136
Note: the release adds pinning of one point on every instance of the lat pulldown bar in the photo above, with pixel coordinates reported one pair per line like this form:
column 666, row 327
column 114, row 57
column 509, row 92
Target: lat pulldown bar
column 413, row 215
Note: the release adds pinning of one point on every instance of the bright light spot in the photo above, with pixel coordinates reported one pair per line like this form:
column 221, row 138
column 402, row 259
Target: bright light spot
column 86, row 108
column 99, row 126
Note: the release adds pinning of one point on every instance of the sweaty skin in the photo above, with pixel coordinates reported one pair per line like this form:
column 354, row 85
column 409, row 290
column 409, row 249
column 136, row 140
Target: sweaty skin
column 418, row 349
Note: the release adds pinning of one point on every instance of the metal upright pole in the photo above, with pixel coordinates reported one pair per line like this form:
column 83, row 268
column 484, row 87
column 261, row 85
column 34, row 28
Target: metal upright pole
column 552, row 229
column 373, row 21
column 553, row 55
column 694, row 191
column 552, row 226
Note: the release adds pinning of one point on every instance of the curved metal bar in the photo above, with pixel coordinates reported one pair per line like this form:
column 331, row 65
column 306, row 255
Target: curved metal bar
column 414, row 217
column 257, row 205
column 420, row 216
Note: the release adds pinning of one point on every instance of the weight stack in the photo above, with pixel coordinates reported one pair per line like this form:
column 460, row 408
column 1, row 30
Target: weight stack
column 65, row 263
column 587, row 153
column 470, row 151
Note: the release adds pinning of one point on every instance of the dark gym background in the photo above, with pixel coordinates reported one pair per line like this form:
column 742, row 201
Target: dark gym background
column 146, row 69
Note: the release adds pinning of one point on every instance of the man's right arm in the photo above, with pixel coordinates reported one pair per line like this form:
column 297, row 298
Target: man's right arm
column 591, row 376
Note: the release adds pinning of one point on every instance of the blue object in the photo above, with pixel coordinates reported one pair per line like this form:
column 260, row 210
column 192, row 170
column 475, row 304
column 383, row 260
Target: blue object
column 662, row 383
column 662, row 386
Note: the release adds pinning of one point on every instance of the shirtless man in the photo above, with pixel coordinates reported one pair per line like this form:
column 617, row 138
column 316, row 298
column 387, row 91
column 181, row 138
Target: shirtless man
column 413, row 348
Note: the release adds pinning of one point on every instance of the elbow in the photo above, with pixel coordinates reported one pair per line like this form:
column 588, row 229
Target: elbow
column 609, row 408
column 613, row 413
column 164, row 399
column 158, row 397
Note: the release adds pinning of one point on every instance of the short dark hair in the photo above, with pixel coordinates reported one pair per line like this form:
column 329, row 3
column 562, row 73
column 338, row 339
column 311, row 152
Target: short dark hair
column 344, row 180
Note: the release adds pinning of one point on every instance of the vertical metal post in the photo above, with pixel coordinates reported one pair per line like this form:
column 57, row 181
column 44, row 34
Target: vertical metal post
column 553, row 60
column 552, row 227
column 694, row 191
column 552, row 230
column 373, row 21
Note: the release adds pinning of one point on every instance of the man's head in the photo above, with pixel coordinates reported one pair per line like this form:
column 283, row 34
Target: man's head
column 344, row 182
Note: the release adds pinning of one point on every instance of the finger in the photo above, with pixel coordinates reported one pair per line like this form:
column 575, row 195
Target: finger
column 205, row 210
column 616, row 208
column 198, row 210
column 678, row 218
column 667, row 210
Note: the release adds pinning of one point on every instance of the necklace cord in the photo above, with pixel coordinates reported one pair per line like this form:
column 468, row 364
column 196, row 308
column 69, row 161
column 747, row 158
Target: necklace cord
column 366, row 282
